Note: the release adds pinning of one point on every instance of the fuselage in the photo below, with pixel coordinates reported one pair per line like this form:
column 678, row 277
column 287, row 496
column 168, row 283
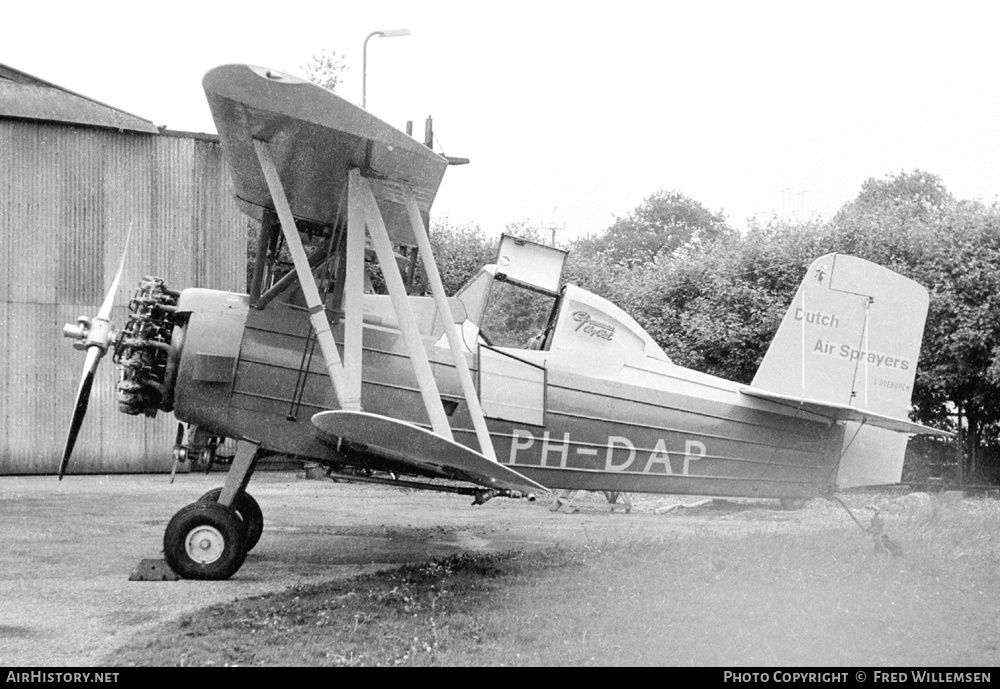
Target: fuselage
column 567, row 416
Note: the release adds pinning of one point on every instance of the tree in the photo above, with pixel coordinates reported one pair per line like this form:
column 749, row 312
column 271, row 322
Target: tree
column 662, row 223
column 326, row 69
column 715, row 306
column 460, row 251
column 889, row 220
column 960, row 359
column 908, row 195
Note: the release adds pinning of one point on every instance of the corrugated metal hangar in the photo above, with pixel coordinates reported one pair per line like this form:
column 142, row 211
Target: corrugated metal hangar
column 75, row 175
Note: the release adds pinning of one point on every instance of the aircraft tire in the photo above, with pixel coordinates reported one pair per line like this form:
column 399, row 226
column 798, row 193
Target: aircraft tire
column 249, row 512
column 204, row 540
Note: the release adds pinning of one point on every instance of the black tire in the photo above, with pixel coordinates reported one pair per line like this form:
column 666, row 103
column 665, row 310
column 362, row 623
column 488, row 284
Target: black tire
column 204, row 540
column 247, row 510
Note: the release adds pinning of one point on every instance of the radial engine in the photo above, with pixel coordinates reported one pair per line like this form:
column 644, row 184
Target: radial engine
column 143, row 350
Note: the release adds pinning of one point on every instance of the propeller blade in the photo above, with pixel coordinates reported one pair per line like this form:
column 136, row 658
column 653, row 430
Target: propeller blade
column 94, row 355
column 109, row 298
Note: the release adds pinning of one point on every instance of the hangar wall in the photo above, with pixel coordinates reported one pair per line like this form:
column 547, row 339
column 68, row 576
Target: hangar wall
column 68, row 195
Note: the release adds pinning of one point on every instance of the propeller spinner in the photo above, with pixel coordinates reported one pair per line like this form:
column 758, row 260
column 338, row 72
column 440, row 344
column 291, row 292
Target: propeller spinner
column 95, row 337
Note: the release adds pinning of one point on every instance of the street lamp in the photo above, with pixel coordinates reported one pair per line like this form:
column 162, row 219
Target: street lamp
column 389, row 33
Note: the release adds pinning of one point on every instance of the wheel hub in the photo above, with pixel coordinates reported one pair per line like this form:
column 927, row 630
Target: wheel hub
column 205, row 544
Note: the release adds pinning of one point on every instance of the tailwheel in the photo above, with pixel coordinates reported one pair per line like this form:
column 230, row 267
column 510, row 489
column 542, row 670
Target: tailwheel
column 204, row 540
column 247, row 510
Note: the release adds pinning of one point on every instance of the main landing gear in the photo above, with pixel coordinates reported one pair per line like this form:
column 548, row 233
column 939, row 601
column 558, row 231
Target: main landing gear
column 205, row 540
column 210, row 538
column 247, row 510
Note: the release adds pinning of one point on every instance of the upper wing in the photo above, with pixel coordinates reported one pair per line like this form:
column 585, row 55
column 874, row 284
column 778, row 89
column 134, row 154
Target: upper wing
column 843, row 412
column 411, row 445
column 316, row 138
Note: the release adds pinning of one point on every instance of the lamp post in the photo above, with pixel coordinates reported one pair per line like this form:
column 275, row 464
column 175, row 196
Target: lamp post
column 388, row 33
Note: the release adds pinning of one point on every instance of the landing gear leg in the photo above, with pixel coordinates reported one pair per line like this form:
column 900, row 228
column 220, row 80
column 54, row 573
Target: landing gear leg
column 208, row 540
column 247, row 454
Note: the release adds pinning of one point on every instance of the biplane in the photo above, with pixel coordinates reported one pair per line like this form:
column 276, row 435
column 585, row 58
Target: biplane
column 427, row 390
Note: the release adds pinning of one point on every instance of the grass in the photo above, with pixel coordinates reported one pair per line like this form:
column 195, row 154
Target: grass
column 766, row 598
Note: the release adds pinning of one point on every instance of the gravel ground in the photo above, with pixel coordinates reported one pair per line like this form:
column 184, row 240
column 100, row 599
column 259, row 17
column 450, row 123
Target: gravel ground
column 70, row 546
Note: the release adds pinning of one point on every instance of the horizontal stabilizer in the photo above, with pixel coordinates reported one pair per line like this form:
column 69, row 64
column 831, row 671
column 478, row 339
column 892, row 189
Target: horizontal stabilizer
column 843, row 412
column 420, row 448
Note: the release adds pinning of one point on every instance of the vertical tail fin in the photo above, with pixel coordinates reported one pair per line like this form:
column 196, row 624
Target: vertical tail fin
column 852, row 336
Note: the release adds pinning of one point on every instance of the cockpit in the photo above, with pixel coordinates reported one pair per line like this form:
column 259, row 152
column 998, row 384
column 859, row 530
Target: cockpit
column 517, row 304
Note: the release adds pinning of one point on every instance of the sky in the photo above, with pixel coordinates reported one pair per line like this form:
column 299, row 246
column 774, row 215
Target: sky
column 573, row 113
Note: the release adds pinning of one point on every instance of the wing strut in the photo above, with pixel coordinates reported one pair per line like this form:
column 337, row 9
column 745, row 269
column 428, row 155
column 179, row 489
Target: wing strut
column 317, row 312
column 364, row 214
column 360, row 193
column 354, row 284
column 448, row 321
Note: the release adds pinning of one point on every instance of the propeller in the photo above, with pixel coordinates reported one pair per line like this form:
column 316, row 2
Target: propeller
column 95, row 336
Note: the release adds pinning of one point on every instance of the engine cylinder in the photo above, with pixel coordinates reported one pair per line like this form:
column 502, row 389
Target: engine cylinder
column 143, row 353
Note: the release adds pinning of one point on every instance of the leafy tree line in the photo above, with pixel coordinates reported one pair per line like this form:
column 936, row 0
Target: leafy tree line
column 713, row 297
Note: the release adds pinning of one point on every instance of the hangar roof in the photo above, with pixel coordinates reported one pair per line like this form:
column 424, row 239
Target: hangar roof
column 23, row 96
